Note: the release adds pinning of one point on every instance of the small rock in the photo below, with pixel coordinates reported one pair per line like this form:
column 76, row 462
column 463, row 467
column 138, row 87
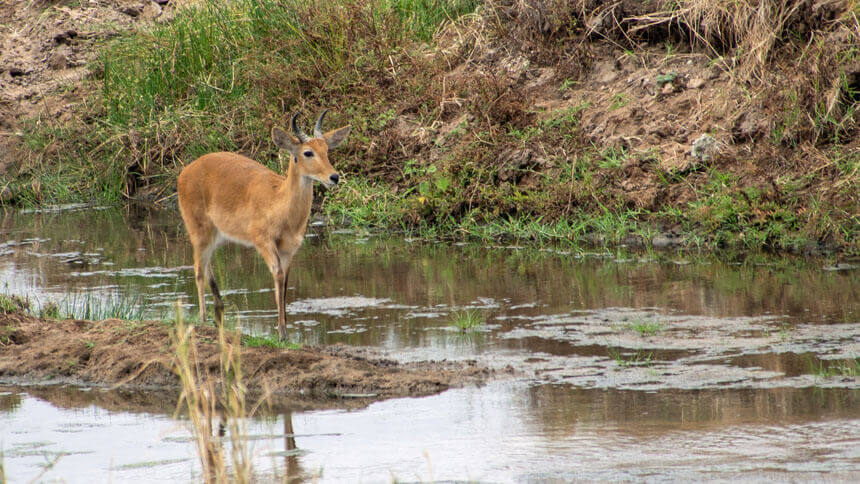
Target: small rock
column 132, row 11
column 704, row 148
column 666, row 240
column 668, row 88
column 696, row 83
column 15, row 71
column 64, row 36
column 606, row 72
column 58, row 61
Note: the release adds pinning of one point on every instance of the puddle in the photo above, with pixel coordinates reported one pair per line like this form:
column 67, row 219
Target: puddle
column 622, row 367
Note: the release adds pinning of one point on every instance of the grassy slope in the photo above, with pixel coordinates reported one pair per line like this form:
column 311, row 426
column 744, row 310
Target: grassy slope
column 453, row 151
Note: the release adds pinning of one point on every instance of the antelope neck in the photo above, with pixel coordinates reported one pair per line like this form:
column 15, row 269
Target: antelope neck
column 298, row 194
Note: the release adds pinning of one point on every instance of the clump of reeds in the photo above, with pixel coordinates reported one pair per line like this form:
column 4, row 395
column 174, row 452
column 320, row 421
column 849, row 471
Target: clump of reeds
column 216, row 404
column 468, row 320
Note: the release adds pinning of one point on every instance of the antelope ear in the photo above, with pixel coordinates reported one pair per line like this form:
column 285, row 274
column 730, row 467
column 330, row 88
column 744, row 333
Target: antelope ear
column 335, row 137
column 286, row 141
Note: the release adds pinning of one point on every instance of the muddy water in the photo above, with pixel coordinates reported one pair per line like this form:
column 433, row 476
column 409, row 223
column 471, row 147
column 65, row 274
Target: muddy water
column 624, row 366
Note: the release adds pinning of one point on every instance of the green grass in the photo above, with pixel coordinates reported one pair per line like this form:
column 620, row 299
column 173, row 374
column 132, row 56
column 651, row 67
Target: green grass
column 269, row 341
column 9, row 304
column 213, row 79
column 626, row 360
column 467, row 320
column 647, row 328
column 422, row 17
column 91, row 307
column 835, row 368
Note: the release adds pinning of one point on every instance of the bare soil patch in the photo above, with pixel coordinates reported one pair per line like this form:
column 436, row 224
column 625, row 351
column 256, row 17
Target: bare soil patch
column 133, row 355
column 46, row 46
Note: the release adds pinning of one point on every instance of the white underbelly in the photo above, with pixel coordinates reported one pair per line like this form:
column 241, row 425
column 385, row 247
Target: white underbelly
column 225, row 237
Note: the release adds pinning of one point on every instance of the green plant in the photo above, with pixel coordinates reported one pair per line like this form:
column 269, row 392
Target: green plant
column 663, row 79
column 270, row 341
column 612, row 158
column 6, row 334
column 8, row 304
column 619, row 100
column 50, row 310
column 13, row 304
column 647, row 328
column 637, row 358
column 566, row 84
column 467, row 320
column 835, row 368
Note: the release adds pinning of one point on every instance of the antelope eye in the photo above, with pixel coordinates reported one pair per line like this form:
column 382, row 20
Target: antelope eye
column 308, row 154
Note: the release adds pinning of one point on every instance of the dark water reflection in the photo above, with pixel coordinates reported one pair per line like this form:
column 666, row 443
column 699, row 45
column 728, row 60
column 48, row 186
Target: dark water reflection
column 503, row 432
column 398, row 288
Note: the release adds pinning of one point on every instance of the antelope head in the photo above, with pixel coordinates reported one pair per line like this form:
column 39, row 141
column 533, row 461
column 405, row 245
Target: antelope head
column 310, row 154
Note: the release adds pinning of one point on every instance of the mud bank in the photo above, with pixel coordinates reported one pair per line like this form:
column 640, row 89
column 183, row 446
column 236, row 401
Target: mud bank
column 135, row 355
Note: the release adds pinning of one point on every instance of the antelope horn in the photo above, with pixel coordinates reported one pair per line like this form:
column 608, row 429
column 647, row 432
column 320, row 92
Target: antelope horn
column 318, row 132
column 298, row 132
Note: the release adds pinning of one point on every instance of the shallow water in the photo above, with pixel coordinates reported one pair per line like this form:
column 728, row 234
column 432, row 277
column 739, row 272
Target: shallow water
column 663, row 366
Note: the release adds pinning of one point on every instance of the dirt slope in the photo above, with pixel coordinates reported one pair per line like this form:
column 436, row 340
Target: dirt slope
column 46, row 46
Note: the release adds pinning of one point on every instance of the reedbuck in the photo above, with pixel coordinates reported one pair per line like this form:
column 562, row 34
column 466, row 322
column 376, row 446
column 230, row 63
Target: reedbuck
column 228, row 197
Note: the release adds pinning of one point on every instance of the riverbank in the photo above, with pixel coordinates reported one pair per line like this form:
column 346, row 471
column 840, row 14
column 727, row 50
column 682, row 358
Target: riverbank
column 604, row 123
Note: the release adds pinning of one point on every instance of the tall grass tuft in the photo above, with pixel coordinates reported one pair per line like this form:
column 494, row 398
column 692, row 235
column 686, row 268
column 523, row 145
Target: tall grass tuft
column 468, row 320
column 423, row 17
column 198, row 397
column 93, row 307
column 206, row 404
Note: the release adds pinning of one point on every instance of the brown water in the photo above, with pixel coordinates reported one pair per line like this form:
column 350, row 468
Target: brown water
column 625, row 366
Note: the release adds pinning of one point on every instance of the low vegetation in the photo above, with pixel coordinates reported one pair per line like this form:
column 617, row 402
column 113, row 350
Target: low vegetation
column 848, row 368
column 11, row 304
column 532, row 119
column 647, row 328
column 271, row 341
column 629, row 359
column 467, row 320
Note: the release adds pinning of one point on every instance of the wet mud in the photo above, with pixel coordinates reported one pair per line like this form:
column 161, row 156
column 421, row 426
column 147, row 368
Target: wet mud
column 133, row 355
column 604, row 349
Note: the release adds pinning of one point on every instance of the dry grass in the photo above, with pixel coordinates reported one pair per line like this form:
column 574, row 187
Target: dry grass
column 214, row 408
